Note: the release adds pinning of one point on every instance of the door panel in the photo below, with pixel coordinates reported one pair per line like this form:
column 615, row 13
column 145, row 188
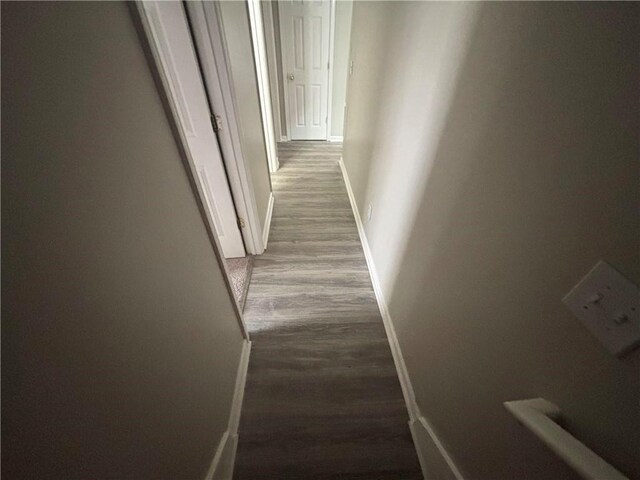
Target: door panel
column 304, row 39
column 299, row 106
column 177, row 57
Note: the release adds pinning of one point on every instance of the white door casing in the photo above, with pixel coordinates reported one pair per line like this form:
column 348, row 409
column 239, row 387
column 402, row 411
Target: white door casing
column 256, row 25
column 268, row 22
column 209, row 38
column 171, row 35
column 304, row 39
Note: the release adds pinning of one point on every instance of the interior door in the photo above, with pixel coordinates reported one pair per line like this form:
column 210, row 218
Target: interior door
column 171, row 34
column 304, row 39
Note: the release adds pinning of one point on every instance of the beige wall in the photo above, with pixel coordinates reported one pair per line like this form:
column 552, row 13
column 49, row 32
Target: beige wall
column 120, row 343
column 505, row 136
column 235, row 19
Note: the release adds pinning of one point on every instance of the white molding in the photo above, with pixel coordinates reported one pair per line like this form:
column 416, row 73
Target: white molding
column 283, row 66
column 443, row 463
column 208, row 32
column 272, row 64
column 267, row 220
column 256, row 26
column 284, row 138
column 224, row 459
column 405, row 383
column 168, row 61
column 332, row 46
column 238, row 394
column 416, row 419
column 222, row 444
column 336, row 138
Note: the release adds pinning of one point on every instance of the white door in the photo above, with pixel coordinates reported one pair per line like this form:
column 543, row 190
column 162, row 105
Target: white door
column 304, row 39
column 171, row 34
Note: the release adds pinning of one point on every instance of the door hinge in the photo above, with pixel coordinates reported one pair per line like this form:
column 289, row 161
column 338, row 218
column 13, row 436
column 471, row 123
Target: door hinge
column 241, row 223
column 216, row 121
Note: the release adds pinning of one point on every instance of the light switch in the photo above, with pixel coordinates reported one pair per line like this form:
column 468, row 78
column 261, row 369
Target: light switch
column 607, row 303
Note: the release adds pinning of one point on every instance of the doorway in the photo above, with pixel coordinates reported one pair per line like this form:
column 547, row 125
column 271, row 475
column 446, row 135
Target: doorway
column 315, row 34
column 177, row 58
column 304, row 42
column 170, row 33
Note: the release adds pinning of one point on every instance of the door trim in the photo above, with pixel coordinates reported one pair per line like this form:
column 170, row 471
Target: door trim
column 287, row 119
column 332, row 30
column 211, row 47
column 332, row 45
column 267, row 220
column 145, row 33
column 272, row 65
column 256, row 25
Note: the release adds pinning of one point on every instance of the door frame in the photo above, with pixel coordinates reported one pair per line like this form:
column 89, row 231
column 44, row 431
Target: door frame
column 205, row 20
column 256, row 25
column 272, row 65
column 332, row 31
column 332, row 44
column 163, row 84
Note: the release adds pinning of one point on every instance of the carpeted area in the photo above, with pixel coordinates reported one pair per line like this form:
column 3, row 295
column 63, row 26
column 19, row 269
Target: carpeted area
column 240, row 275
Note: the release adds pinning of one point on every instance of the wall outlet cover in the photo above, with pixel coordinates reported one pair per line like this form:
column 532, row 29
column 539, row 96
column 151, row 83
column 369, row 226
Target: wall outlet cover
column 608, row 305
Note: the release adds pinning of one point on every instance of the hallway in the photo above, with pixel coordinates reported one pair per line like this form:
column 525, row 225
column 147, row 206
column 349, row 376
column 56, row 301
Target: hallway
column 322, row 398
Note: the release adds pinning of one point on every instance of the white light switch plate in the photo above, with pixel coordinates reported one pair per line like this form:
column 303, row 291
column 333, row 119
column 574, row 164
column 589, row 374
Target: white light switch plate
column 608, row 305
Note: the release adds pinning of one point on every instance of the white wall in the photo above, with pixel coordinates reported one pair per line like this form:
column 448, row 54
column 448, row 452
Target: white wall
column 120, row 342
column 414, row 92
column 497, row 147
column 235, row 20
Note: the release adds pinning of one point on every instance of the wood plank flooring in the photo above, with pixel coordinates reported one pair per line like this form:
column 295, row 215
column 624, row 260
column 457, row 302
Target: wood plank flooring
column 322, row 399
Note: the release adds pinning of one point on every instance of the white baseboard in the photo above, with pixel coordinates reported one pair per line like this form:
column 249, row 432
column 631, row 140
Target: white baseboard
column 274, row 165
column 215, row 463
column 424, row 437
column 405, row 383
column 284, row 138
column 224, row 459
column 267, row 221
column 435, row 461
column 335, row 138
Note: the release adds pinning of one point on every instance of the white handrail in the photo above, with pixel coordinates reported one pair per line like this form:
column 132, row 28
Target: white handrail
column 538, row 415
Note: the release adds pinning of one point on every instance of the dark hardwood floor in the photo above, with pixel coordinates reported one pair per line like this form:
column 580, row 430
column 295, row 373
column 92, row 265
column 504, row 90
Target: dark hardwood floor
column 322, row 399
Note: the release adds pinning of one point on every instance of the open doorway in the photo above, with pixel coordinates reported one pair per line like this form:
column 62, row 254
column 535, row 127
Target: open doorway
column 307, row 49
